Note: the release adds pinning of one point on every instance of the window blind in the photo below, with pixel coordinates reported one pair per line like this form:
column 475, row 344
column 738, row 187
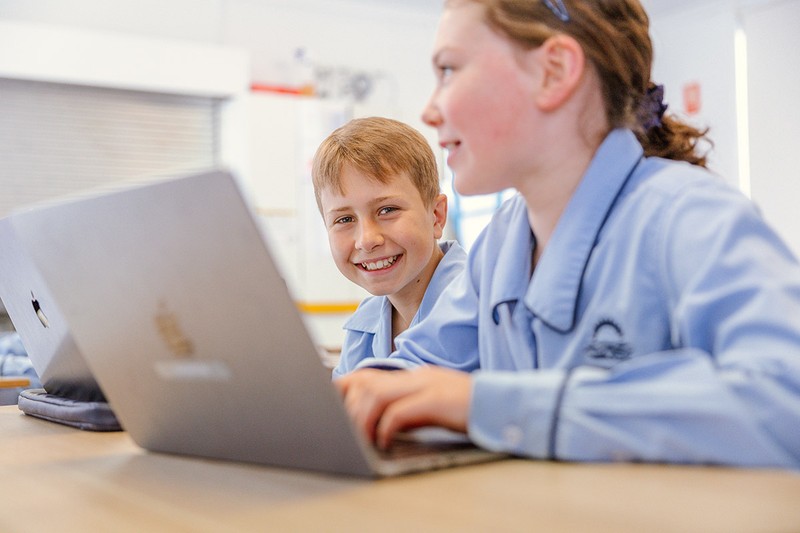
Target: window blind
column 58, row 140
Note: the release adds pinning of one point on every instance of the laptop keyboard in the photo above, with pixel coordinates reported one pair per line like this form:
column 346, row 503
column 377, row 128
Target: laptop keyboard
column 425, row 441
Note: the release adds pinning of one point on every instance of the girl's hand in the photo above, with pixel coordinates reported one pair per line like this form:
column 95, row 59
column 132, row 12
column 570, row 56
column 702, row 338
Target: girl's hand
column 381, row 402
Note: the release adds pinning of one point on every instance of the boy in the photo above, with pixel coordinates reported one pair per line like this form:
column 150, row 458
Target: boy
column 377, row 188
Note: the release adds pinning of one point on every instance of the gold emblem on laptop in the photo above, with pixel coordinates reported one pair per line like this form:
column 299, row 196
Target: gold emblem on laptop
column 171, row 332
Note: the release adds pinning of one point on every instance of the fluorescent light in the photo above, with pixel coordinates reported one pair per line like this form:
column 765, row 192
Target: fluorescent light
column 742, row 122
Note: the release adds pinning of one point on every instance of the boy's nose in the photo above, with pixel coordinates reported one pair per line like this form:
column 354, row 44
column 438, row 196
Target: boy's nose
column 369, row 236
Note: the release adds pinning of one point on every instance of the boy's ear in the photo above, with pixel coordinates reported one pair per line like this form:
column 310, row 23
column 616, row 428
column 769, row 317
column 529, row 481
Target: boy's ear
column 562, row 61
column 439, row 215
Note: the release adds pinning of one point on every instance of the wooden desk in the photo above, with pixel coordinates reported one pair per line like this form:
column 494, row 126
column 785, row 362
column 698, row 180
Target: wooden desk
column 58, row 478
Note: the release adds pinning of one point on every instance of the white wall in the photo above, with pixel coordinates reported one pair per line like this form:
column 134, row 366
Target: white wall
column 695, row 45
column 773, row 44
column 695, row 41
column 196, row 20
column 390, row 38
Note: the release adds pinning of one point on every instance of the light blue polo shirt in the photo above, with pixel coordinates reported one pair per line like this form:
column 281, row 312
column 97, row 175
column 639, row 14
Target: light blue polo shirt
column 662, row 323
column 369, row 330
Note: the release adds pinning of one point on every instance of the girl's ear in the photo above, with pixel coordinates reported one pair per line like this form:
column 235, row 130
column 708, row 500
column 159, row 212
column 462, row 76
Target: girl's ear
column 562, row 61
column 439, row 215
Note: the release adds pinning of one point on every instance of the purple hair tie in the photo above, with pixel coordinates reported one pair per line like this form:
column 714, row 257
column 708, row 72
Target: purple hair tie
column 653, row 107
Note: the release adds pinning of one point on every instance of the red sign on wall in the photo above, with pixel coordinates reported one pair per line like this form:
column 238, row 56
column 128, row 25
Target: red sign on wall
column 691, row 98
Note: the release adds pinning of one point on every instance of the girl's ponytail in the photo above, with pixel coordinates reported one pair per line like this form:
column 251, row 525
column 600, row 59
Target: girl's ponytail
column 662, row 135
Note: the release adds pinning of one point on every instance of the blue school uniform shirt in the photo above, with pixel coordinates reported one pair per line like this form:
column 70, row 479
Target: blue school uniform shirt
column 662, row 323
column 369, row 330
column 14, row 362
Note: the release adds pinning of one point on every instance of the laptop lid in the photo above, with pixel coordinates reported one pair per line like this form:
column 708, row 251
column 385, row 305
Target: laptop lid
column 174, row 299
column 41, row 326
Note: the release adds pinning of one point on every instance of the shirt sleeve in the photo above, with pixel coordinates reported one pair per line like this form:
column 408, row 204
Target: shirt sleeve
column 726, row 392
column 356, row 347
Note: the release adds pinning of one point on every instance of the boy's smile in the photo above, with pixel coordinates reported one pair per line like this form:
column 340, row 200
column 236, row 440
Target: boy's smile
column 380, row 264
column 382, row 235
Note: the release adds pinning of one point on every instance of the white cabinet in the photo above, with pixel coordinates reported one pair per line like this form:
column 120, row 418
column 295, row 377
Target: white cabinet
column 284, row 133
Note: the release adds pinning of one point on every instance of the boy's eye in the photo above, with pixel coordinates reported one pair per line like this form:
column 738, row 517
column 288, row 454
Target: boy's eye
column 343, row 220
column 387, row 210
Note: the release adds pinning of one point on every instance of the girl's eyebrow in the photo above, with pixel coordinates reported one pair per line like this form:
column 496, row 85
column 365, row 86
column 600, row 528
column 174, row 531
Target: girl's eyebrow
column 437, row 57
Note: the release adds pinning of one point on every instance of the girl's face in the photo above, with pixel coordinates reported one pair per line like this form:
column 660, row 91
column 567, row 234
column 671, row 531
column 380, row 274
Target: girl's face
column 483, row 105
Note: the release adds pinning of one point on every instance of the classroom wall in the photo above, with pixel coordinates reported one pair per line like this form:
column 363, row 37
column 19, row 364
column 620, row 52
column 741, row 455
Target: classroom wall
column 694, row 46
column 695, row 43
column 388, row 40
column 774, row 114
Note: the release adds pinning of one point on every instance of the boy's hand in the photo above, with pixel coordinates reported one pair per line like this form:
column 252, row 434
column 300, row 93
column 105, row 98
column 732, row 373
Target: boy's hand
column 381, row 403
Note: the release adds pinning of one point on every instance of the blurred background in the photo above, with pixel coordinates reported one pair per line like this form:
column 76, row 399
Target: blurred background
column 98, row 92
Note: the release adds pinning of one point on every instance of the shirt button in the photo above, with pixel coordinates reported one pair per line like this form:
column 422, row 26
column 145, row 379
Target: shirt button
column 512, row 435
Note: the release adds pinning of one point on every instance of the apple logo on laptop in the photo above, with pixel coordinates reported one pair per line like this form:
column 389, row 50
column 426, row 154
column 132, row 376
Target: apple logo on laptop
column 171, row 332
column 39, row 313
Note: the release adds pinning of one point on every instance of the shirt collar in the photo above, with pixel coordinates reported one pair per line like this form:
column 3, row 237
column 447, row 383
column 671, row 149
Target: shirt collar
column 374, row 315
column 371, row 316
column 451, row 264
column 513, row 259
column 554, row 289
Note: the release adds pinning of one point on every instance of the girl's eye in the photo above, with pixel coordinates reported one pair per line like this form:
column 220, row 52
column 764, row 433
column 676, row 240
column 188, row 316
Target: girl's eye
column 444, row 71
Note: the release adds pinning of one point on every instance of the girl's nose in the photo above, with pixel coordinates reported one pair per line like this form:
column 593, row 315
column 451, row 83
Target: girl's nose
column 431, row 115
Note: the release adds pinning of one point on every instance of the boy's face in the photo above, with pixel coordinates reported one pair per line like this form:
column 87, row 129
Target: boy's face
column 382, row 236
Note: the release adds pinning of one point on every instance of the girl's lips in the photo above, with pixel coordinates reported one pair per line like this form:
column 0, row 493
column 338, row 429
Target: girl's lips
column 452, row 153
column 449, row 145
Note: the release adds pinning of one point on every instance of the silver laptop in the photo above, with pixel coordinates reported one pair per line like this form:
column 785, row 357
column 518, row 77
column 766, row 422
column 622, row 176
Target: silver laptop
column 40, row 324
column 174, row 299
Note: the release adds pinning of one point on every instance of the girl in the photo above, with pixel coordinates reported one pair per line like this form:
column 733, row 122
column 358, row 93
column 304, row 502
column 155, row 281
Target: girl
column 626, row 304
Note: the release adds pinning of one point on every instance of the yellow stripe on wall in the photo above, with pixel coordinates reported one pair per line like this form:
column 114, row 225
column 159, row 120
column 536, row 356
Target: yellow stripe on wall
column 13, row 383
column 327, row 308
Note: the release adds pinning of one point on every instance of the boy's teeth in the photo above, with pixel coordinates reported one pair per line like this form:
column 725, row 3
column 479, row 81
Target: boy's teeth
column 378, row 265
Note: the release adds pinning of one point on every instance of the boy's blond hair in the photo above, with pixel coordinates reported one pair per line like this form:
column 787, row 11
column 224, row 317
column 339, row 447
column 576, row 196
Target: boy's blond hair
column 381, row 148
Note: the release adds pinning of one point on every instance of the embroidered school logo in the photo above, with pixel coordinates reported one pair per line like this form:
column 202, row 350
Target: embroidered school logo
column 608, row 342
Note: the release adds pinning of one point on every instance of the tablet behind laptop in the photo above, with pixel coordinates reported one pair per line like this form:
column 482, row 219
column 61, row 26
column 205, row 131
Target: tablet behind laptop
column 176, row 303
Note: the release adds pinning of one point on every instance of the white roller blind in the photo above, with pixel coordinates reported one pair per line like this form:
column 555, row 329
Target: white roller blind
column 61, row 139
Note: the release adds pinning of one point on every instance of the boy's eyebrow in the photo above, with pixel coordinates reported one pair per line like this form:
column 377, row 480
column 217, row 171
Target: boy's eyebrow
column 378, row 200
